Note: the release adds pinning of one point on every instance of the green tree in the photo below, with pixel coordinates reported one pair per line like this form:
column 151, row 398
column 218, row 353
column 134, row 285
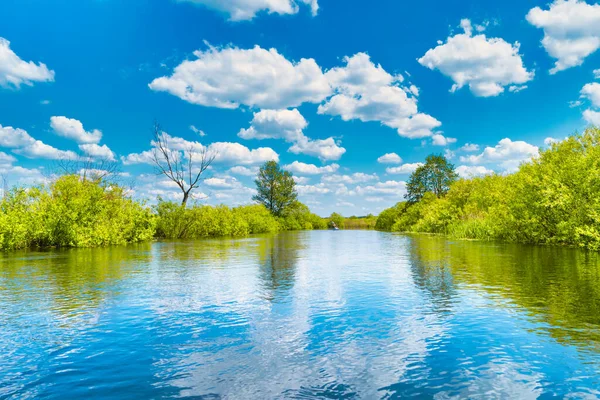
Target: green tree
column 435, row 176
column 276, row 188
column 336, row 220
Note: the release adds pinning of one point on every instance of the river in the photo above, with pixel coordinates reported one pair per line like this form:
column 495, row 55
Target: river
column 324, row 314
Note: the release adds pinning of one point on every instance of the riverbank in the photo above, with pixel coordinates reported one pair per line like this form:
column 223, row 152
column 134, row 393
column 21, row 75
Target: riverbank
column 554, row 199
column 74, row 212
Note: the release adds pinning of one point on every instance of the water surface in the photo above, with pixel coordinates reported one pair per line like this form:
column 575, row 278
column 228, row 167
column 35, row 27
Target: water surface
column 345, row 314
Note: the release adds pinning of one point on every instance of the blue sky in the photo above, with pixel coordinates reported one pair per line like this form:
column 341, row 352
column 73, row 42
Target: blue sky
column 324, row 86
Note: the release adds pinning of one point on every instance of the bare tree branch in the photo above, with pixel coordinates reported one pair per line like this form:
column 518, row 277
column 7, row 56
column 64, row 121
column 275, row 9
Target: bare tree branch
column 179, row 166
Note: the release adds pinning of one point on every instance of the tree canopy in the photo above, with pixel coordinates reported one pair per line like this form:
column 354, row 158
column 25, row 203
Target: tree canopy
column 276, row 188
column 435, row 176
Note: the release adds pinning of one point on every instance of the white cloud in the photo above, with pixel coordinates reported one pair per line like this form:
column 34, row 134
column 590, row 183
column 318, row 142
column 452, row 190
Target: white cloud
column 22, row 143
column 276, row 124
column 39, row 149
column 144, row 157
column 73, row 129
column 403, row 169
column 231, row 152
column 507, row 153
column 367, row 92
column 301, row 180
column 358, row 177
column 15, row 72
column 389, row 158
column 486, row 65
column 242, row 10
column 325, row 149
column 197, row 131
column 596, row 73
column 388, row 188
column 243, row 171
column 227, row 182
column 312, row 189
column 228, row 77
column 591, row 91
column 441, row 140
column 97, row 151
column 592, row 117
column 6, row 159
column 310, row 169
column 469, row 171
column 470, row 147
column 224, row 152
column 516, row 89
column 571, row 31
column 288, row 125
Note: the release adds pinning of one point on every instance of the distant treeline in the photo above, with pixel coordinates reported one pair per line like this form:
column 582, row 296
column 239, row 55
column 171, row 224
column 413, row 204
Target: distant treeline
column 553, row 199
column 76, row 212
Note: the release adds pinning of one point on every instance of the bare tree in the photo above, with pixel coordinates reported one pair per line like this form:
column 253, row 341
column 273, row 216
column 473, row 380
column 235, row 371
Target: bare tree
column 184, row 167
column 89, row 168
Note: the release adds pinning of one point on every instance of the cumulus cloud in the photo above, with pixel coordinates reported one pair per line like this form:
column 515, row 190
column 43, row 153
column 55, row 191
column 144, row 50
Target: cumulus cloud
column 144, row 157
column 507, row 154
column 288, row 125
column 301, row 168
column 367, row 92
column 470, row 171
column 486, row 65
column 23, row 144
column 571, row 31
column 592, row 117
column 388, row 188
column 228, row 77
column 403, row 169
column 357, row 177
column 15, row 174
column 242, row 10
column 15, row 72
column 226, row 182
column 97, row 151
column 312, row 189
column 325, row 149
column 231, row 152
column 441, row 140
column 591, row 91
column 390, row 158
column 276, row 124
column 243, row 171
column 73, row 129
column 470, row 147
column 224, row 152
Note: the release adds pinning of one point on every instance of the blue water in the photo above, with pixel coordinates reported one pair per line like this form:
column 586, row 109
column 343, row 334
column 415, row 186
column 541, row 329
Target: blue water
column 346, row 314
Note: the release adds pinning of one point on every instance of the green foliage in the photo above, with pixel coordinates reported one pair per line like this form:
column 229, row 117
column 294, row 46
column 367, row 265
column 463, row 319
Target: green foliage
column 298, row 217
column 72, row 212
column 435, row 176
column 336, row 220
column 367, row 222
column 554, row 199
column 388, row 217
column 177, row 222
column 276, row 188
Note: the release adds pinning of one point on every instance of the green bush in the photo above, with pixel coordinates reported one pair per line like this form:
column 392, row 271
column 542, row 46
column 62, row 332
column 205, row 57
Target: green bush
column 554, row 199
column 71, row 212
